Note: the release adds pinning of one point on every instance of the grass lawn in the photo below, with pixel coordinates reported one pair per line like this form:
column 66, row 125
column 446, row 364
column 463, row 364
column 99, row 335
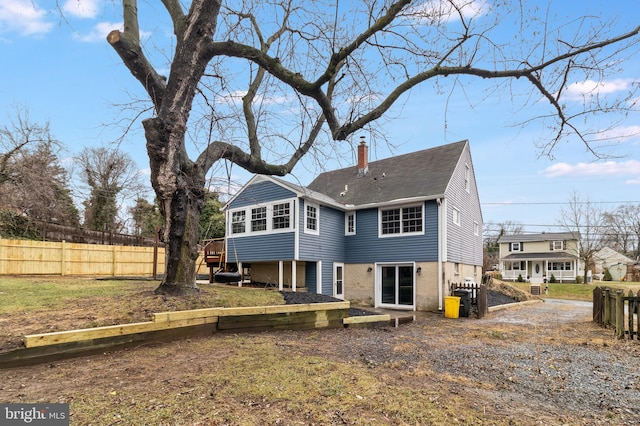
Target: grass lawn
column 580, row 291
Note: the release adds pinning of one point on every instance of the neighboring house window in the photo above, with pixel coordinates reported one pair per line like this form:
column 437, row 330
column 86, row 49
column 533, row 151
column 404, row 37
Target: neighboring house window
column 476, row 228
column 467, row 173
column 350, row 224
column 238, row 222
column 404, row 220
column 456, row 268
column 311, row 218
column 558, row 245
column 456, row 216
column 516, row 246
column 281, row 216
column 258, row 219
column 559, row 266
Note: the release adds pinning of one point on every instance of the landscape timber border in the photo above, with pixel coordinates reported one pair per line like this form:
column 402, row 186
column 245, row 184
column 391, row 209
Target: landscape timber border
column 168, row 326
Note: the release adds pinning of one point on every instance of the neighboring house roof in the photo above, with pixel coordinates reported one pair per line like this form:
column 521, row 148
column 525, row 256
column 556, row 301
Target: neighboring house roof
column 419, row 175
column 609, row 256
column 545, row 236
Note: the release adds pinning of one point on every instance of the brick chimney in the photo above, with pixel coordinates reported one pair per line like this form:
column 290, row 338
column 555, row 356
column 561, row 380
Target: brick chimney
column 363, row 157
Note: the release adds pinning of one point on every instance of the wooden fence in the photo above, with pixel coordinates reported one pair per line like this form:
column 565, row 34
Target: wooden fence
column 478, row 295
column 27, row 257
column 611, row 308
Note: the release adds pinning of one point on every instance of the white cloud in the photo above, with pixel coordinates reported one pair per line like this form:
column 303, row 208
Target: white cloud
column 81, row 8
column 607, row 168
column 620, row 133
column 23, row 16
column 99, row 32
column 447, row 11
column 590, row 88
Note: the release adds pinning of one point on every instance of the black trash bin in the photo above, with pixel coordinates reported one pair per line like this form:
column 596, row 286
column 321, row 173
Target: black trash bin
column 465, row 301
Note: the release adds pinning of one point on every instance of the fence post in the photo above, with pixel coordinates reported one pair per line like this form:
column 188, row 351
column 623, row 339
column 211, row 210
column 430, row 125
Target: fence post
column 619, row 314
column 114, row 261
column 630, row 319
column 607, row 307
column 3, row 256
column 63, row 258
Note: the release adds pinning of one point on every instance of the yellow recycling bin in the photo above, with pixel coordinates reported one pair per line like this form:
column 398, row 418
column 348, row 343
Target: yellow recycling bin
column 451, row 306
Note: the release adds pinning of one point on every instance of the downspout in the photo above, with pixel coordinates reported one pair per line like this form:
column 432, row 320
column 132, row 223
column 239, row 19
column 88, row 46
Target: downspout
column 440, row 245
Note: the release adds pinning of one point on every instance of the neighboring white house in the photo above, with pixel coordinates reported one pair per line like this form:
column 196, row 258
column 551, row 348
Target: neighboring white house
column 535, row 257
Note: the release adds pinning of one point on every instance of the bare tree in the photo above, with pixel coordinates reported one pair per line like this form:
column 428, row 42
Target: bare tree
column 33, row 184
column 585, row 219
column 244, row 66
column 111, row 177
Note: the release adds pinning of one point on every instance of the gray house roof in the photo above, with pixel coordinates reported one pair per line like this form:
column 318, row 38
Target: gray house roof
column 545, row 236
column 422, row 174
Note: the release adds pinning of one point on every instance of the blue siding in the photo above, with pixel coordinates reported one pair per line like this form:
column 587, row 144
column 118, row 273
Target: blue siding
column 327, row 247
column 261, row 192
column 311, row 276
column 261, row 247
column 366, row 246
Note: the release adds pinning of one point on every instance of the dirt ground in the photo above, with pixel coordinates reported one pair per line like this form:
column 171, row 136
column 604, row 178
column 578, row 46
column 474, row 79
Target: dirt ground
column 531, row 364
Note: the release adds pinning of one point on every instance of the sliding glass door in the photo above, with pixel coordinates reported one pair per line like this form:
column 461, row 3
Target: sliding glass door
column 396, row 285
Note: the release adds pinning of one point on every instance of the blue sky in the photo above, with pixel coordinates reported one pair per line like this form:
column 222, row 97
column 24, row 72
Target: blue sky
column 64, row 72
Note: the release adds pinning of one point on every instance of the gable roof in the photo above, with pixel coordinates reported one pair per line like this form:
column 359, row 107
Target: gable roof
column 610, row 256
column 545, row 236
column 298, row 190
column 423, row 174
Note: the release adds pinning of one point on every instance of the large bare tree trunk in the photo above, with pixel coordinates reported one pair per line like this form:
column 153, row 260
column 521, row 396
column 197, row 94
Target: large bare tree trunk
column 179, row 186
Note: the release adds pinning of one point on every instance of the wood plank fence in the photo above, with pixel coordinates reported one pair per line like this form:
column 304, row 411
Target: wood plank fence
column 28, row 257
column 611, row 308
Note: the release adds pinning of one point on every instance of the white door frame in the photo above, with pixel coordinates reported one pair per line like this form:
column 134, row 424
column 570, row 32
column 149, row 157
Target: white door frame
column 338, row 280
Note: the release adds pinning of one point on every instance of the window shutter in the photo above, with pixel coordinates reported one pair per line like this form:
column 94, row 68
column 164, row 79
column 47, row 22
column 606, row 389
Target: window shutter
column 564, row 245
column 509, row 246
column 521, row 246
column 551, row 245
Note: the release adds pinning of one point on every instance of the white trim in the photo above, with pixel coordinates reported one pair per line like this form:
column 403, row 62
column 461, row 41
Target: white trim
column 294, row 275
column 378, row 285
column 401, row 233
column 316, row 231
column 440, row 245
column 336, row 265
column 269, row 219
column 346, row 222
column 280, row 275
column 399, row 201
column 467, row 178
column 456, row 213
column 319, row 277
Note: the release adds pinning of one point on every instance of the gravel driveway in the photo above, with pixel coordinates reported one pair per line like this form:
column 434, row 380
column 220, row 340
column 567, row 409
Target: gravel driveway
column 535, row 363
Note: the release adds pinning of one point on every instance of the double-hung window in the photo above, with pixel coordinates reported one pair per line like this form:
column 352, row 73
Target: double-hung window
column 281, row 216
column 258, row 219
column 350, row 224
column 238, row 222
column 311, row 212
column 401, row 221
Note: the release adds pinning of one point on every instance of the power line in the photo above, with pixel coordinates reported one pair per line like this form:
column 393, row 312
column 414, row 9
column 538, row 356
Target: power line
column 507, row 203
